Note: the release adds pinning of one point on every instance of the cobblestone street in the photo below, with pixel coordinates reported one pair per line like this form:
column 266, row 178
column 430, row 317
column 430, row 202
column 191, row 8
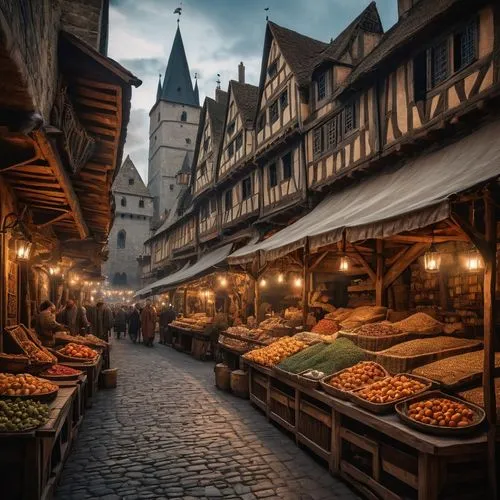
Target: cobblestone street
column 167, row 432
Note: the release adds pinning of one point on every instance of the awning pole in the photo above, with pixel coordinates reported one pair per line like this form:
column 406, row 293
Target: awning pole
column 306, row 285
column 380, row 292
column 489, row 338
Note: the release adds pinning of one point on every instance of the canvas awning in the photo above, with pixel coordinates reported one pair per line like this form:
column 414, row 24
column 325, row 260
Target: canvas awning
column 204, row 265
column 402, row 198
column 148, row 290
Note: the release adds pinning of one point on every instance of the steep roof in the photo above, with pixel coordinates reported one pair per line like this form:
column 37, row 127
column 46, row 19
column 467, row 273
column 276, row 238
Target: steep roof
column 186, row 163
column 128, row 172
column 247, row 100
column 299, row 51
column 177, row 85
column 368, row 20
column 419, row 16
column 217, row 113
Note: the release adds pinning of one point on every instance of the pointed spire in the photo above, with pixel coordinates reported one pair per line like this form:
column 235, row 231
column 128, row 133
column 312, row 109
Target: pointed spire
column 177, row 85
column 196, row 91
column 158, row 91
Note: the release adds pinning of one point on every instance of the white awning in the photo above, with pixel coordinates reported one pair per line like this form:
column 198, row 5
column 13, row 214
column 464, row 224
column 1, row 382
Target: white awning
column 204, row 265
column 397, row 199
column 148, row 290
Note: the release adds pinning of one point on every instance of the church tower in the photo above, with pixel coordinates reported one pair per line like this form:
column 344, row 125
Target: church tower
column 173, row 125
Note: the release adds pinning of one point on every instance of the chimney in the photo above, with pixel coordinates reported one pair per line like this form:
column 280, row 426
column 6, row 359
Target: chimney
column 404, row 6
column 241, row 72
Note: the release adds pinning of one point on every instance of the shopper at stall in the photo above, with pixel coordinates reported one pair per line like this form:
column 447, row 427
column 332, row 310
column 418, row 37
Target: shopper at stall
column 148, row 324
column 166, row 317
column 120, row 321
column 103, row 321
column 134, row 323
column 46, row 325
column 74, row 318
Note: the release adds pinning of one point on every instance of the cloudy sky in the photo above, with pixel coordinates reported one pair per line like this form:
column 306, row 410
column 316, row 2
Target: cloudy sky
column 217, row 35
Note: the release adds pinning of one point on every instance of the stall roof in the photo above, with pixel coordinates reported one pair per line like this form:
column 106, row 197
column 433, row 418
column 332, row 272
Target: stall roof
column 204, row 265
column 397, row 199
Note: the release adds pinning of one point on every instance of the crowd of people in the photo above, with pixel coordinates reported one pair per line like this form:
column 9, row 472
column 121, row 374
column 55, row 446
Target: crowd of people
column 100, row 319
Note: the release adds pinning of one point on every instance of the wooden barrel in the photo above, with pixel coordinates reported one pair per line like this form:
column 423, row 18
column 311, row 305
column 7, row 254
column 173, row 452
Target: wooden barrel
column 239, row 383
column 109, row 378
column 222, row 376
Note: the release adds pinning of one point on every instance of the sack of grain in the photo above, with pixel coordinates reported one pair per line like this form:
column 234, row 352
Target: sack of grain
column 420, row 323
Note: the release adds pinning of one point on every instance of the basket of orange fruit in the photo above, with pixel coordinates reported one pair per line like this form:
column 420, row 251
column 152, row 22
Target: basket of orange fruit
column 26, row 386
column 76, row 352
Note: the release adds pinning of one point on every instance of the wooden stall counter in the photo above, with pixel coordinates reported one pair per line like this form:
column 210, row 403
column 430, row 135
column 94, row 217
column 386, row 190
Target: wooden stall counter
column 31, row 462
column 378, row 454
column 191, row 341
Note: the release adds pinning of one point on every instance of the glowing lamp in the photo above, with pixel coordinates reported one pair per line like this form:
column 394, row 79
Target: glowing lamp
column 263, row 283
column 473, row 261
column 344, row 264
column 23, row 250
column 432, row 260
column 223, row 282
column 281, row 278
column 297, row 282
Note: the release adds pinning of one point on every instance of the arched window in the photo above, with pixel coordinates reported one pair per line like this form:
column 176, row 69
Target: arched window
column 123, row 201
column 184, row 116
column 121, row 239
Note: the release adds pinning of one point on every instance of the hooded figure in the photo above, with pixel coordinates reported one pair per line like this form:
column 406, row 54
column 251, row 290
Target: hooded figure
column 46, row 325
column 74, row 318
column 148, row 323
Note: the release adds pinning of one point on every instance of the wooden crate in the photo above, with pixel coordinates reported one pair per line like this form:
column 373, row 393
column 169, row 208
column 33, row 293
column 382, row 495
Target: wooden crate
column 282, row 409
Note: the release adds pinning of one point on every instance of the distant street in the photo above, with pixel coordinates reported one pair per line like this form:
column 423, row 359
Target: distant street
column 167, row 432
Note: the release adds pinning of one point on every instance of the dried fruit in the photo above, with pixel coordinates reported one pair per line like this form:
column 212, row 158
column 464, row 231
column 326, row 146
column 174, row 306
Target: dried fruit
column 57, row 370
column 78, row 351
column 273, row 354
column 419, row 323
column 378, row 330
column 361, row 374
column 24, row 384
column 391, row 389
column 19, row 415
column 441, row 412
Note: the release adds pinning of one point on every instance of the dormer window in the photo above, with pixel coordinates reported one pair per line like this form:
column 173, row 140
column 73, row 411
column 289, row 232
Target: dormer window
column 272, row 70
column 322, row 86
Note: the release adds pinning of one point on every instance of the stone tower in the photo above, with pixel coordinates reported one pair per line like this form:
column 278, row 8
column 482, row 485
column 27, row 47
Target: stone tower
column 173, row 125
column 131, row 226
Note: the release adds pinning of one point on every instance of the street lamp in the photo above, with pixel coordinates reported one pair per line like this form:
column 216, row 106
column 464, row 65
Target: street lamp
column 23, row 250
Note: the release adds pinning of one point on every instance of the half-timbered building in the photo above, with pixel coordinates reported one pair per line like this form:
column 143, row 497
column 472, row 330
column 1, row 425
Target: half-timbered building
column 238, row 179
column 204, row 173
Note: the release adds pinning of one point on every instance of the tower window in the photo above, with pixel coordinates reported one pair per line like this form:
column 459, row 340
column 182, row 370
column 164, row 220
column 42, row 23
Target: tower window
column 188, row 140
column 141, row 203
column 171, row 187
column 184, row 116
column 123, row 202
column 121, row 239
column 158, row 116
column 131, row 182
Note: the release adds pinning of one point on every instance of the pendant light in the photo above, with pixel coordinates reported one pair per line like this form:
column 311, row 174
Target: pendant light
column 473, row 262
column 432, row 258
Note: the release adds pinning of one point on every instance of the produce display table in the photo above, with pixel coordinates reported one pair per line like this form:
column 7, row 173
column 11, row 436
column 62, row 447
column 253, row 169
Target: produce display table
column 378, row 454
column 92, row 370
column 194, row 342
column 31, row 462
column 81, row 399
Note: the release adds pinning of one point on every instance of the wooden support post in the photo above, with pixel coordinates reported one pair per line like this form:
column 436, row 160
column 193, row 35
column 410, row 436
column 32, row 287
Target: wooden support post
column 184, row 301
column 489, row 338
column 306, row 285
column 257, row 299
column 380, row 295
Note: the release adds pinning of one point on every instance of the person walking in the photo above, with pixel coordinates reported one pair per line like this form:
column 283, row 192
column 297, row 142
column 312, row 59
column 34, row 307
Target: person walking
column 46, row 325
column 120, row 322
column 74, row 318
column 166, row 317
column 103, row 321
column 148, row 324
column 134, row 323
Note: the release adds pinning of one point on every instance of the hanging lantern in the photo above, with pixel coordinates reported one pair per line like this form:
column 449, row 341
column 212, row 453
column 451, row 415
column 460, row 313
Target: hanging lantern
column 23, row 250
column 473, row 261
column 344, row 264
column 281, row 278
column 223, row 282
column 263, row 283
column 432, row 260
column 297, row 282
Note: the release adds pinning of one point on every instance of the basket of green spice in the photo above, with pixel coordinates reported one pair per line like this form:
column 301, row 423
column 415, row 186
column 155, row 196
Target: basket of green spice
column 326, row 358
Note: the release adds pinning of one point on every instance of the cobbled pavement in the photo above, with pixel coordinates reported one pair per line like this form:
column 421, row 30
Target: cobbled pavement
column 167, row 432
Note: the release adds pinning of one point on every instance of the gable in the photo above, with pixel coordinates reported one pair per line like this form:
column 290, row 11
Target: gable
column 129, row 181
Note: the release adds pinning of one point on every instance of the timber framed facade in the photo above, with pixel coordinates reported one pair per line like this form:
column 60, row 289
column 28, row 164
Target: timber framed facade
column 327, row 114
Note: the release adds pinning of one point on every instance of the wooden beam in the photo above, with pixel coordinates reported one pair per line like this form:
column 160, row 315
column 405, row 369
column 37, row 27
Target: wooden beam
column 380, row 295
column 403, row 238
column 54, row 220
column 318, row 261
column 49, row 151
column 489, row 257
column 390, row 260
column 405, row 260
column 479, row 241
column 357, row 257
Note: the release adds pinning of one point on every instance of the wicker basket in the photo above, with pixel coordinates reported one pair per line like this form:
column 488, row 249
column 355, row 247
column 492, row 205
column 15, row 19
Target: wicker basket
column 372, row 343
column 399, row 364
column 18, row 334
column 48, row 396
column 388, row 407
column 308, row 382
column 12, row 363
column 283, row 373
column 402, row 411
column 70, row 359
column 338, row 393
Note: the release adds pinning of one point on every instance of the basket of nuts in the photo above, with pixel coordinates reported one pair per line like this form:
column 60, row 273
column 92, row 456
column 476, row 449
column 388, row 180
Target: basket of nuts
column 342, row 383
column 437, row 413
column 381, row 396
